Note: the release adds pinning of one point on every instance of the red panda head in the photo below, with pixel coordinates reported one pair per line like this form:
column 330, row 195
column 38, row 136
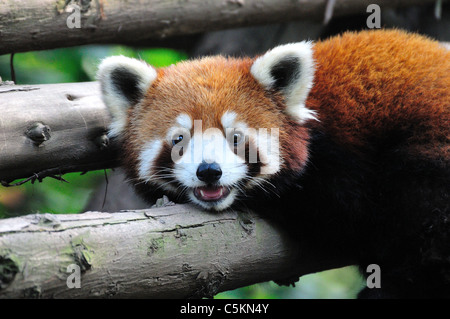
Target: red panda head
column 210, row 130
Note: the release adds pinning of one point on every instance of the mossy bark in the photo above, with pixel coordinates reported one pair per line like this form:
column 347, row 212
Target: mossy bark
column 169, row 252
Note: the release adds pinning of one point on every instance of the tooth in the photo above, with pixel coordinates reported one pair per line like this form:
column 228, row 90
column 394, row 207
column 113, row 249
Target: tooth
column 201, row 193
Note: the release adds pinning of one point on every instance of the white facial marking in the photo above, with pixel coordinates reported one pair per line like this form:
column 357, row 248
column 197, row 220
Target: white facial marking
column 213, row 148
column 146, row 158
column 268, row 144
column 184, row 121
column 266, row 141
column 228, row 119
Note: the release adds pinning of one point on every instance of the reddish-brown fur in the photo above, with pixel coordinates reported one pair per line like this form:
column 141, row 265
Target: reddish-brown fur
column 373, row 82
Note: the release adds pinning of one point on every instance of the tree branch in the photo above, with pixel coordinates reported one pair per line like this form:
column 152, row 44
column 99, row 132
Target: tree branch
column 42, row 24
column 175, row 251
column 52, row 129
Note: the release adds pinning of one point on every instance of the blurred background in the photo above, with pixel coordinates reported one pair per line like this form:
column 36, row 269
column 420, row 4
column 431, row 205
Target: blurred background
column 88, row 191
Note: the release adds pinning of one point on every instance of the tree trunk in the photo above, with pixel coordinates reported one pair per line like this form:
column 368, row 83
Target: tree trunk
column 173, row 251
column 53, row 129
column 45, row 24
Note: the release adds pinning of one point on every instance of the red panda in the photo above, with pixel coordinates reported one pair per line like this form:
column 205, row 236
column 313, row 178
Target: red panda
column 344, row 142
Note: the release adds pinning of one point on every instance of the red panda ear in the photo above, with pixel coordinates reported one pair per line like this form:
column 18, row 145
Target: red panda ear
column 288, row 69
column 123, row 83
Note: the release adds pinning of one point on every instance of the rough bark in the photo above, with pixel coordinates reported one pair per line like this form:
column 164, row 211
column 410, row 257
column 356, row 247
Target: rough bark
column 42, row 24
column 53, row 129
column 174, row 251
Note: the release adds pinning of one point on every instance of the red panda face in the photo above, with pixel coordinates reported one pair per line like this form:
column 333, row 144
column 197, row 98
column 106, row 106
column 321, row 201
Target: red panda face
column 207, row 131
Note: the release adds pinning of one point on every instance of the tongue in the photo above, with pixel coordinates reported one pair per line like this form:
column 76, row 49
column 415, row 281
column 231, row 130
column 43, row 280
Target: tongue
column 210, row 193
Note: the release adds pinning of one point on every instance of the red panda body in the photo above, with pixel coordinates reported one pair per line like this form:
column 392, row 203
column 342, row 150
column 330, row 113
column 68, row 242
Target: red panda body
column 361, row 172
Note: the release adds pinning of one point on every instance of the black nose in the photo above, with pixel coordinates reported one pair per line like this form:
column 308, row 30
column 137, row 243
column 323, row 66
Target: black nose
column 209, row 173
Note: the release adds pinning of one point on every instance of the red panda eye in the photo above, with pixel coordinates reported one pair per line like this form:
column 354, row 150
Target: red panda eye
column 177, row 140
column 238, row 138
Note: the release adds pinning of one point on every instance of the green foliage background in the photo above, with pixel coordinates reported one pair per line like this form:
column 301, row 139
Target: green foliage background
column 80, row 64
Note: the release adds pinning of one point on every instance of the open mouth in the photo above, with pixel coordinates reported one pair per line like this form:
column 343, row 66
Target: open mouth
column 211, row 193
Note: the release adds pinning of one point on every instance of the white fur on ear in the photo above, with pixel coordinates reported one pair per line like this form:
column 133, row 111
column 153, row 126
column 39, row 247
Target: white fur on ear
column 289, row 69
column 123, row 82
